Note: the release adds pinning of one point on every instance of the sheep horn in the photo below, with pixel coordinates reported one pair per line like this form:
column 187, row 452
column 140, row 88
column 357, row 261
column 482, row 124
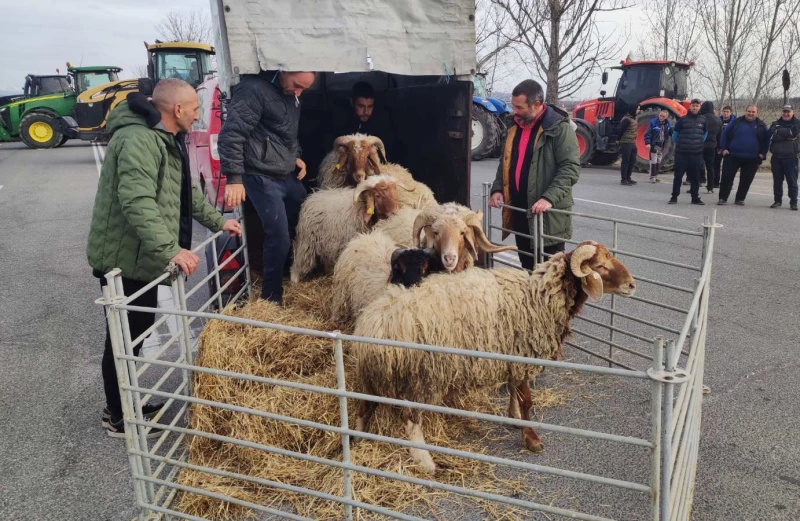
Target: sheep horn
column 423, row 220
column 360, row 190
column 405, row 187
column 378, row 144
column 341, row 141
column 581, row 254
column 376, row 161
column 473, row 220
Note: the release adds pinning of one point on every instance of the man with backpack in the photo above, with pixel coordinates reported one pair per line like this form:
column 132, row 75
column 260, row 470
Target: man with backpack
column 658, row 133
column 744, row 146
column 785, row 146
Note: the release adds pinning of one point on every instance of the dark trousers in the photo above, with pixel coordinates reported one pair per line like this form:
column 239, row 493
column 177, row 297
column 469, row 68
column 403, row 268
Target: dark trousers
column 707, row 175
column 138, row 324
column 524, row 243
column 717, row 169
column 628, row 154
column 731, row 164
column 784, row 168
column 690, row 164
column 277, row 202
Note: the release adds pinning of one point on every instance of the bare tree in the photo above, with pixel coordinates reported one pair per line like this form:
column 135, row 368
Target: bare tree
column 728, row 27
column 185, row 26
column 671, row 34
column 140, row 71
column 559, row 40
column 777, row 25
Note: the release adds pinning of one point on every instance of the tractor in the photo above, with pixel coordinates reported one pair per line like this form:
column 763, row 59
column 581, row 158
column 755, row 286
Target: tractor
column 488, row 121
column 653, row 86
column 189, row 61
column 40, row 116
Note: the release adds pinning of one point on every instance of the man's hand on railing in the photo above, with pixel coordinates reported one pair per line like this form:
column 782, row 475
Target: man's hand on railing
column 234, row 195
column 187, row 261
column 233, row 228
column 496, row 200
column 541, row 206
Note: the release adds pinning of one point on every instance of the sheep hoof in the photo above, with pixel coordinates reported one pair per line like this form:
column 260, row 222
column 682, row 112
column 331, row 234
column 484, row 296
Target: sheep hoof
column 428, row 465
column 294, row 277
column 534, row 445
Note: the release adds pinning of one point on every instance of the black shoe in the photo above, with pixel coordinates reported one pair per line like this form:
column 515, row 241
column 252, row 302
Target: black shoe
column 703, row 181
column 716, row 185
column 689, row 191
column 793, row 206
column 722, row 201
column 625, row 182
column 698, row 201
column 631, row 181
column 116, row 429
column 686, row 183
column 739, row 203
column 673, row 200
column 775, row 205
column 148, row 411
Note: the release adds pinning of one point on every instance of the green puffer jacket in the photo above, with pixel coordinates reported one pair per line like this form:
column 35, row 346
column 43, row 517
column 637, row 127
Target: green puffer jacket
column 137, row 207
column 555, row 168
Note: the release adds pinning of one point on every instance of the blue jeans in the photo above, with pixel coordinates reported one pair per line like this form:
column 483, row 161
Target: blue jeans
column 277, row 202
column 784, row 168
column 689, row 163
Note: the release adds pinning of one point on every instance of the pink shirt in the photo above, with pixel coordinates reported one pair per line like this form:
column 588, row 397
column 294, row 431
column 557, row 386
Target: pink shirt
column 524, row 139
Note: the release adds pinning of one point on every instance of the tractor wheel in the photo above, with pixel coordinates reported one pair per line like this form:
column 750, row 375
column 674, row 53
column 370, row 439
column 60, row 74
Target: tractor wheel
column 63, row 140
column 39, row 130
column 484, row 133
column 642, row 155
column 585, row 144
column 604, row 159
column 502, row 132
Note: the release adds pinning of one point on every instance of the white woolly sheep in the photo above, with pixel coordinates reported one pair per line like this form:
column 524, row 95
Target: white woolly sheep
column 329, row 219
column 503, row 311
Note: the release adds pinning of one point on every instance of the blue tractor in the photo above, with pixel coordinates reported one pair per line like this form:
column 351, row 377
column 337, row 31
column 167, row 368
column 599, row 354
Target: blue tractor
column 488, row 121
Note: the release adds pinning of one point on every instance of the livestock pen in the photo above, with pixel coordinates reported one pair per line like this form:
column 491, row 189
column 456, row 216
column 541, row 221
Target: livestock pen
column 647, row 472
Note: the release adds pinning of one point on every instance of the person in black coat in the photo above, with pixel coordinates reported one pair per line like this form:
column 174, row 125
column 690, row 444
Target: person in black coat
column 710, row 145
column 689, row 136
column 785, row 146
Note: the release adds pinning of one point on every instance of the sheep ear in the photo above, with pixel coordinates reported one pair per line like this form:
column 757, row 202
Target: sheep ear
column 592, row 285
column 369, row 206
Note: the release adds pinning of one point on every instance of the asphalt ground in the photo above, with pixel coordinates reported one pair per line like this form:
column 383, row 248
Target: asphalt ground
column 57, row 463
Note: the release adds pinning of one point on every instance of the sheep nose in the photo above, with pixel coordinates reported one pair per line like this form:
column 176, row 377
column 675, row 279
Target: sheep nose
column 632, row 285
column 449, row 259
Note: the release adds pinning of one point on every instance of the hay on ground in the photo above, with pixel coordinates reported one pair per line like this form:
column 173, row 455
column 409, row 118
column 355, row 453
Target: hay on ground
column 300, row 358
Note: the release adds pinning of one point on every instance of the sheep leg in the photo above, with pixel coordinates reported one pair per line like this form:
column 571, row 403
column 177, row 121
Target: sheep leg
column 365, row 410
column 522, row 395
column 304, row 260
column 413, row 426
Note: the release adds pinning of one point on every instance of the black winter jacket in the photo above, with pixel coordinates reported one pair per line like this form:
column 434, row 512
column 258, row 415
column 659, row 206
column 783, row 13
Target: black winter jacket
column 714, row 125
column 784, row 138
column 690, row 133
column 259, row 136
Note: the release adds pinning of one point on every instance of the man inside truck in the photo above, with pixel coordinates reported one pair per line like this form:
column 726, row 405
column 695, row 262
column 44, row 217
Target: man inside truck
column 260, row 158
column 360, row 116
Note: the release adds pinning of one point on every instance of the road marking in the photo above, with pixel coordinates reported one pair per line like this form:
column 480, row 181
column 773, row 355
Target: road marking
column 1, row 187
column 102, row 150
column 97, row 162
column 630, row 208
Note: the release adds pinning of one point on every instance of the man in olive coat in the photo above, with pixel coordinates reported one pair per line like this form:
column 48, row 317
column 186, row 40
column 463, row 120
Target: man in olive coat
column 143, row 211
column 540, row 163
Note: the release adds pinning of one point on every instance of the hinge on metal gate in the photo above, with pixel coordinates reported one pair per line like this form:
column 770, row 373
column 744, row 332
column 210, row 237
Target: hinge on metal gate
column 456, row 135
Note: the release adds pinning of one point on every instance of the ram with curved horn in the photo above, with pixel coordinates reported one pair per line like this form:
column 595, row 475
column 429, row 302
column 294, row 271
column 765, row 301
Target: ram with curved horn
column 353, row 158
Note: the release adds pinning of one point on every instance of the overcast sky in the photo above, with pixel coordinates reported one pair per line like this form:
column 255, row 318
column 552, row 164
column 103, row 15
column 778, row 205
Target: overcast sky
column 38, row 37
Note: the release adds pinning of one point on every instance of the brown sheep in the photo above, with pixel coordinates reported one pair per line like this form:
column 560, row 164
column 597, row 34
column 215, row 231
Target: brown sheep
column 353, row 159
column 502, row 311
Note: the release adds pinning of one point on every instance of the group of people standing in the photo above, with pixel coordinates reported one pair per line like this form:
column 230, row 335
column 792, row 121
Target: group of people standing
column 710, row 149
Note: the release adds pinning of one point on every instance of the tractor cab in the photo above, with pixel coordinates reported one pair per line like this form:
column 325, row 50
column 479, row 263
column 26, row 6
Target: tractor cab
column 86, row 78
column 641, row 81
column 188, row 61
column 36, row 85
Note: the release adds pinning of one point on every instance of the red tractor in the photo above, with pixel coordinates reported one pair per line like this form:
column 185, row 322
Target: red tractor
column 654, row 86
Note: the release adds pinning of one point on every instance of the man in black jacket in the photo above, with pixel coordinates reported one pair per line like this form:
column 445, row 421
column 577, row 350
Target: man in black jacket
column 689, row 135
column 785, row 146
column 260, row 158
column 362, row 117
column 710, row 145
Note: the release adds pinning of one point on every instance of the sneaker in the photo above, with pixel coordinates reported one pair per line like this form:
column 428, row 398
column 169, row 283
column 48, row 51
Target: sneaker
column 117, row 430
column 673, row 200
column 711, row 191
column 775, row 205
column 698, row 201
column 148, row 411
column 739, row 203
column 652, row 179
column 658, row 179
column 793, row 206
column 625, row 182
column 722, row 201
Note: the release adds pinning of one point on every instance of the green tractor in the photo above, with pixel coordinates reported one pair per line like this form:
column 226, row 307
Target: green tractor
column 41, row 116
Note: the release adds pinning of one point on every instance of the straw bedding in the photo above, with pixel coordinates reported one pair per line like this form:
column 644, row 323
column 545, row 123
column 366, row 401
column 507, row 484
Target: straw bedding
column 276, row 354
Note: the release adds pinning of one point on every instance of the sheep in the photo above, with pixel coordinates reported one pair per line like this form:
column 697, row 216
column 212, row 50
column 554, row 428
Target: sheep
column 357, row 156
column 329, row 219
column 353, row 158
column 502, row 311
column 363, row 271
column 411, row 265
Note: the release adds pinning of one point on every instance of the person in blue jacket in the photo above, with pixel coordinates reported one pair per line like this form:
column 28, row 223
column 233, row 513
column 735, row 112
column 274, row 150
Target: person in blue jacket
column 744, row 146
column 656, row 139
column 727, row 117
